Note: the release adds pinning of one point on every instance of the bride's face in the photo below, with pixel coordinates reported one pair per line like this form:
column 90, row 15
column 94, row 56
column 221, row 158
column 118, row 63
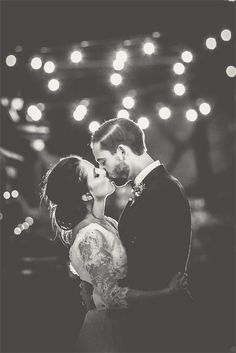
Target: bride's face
column 98, row 184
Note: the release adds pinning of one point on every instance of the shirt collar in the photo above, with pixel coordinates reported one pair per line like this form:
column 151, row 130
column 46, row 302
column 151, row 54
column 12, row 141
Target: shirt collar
column 139, row 178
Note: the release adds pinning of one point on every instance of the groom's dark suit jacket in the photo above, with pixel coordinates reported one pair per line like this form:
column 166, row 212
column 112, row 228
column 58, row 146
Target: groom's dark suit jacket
column 156, row 232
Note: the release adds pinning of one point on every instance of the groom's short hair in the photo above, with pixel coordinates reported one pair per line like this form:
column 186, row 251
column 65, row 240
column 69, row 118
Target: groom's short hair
column 118, row 131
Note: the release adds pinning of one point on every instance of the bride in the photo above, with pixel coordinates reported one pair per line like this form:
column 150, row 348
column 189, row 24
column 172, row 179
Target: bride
column 76, row 191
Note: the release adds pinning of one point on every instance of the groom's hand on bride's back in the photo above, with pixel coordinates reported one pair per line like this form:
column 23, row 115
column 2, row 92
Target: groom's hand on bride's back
column 86, row 293
column 179, row 282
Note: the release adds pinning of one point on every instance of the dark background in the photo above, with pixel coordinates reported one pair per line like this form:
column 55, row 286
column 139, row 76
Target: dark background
column 41, row 305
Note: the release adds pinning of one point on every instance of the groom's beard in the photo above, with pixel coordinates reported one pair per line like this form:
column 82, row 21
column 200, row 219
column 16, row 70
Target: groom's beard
column 120, row 174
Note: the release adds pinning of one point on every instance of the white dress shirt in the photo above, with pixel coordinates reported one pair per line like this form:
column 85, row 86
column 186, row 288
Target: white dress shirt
column 139, row 178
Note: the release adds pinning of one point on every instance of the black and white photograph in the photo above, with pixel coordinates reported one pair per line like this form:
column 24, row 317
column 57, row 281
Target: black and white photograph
column 117, row 170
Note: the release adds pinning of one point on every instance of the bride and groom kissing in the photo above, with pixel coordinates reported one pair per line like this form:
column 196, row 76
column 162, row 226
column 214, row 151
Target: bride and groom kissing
column 136, row 267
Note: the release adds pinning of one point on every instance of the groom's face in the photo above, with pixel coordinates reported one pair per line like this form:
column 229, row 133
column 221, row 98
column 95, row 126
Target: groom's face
column 115, row 166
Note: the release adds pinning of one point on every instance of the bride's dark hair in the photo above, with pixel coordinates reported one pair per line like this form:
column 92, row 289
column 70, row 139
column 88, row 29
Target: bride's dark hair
column 62, row 190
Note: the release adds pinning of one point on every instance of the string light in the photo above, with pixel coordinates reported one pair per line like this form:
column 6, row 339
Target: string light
column 6, row 195
column 49, row 67
column 121, row 55
column 10, row 60
column 149, row 48
column 164, row 113
column 128, row 102
column 34, row 113
column 14, row 194
column 21, row 227
column 93, row 126
column 29, row 220
column 17, row 231
column 211, row 43
column 80, row 112
column 179, row 68
column 76, row 56
column 38, row 145
column 118, row 65
column 4, row 101
column 26, row 225
column 179, row 89
column 226, row 35
column 231, row 71
column 204, row 108
column 123, row 113
column 36, row 63
column 53, row 84
column 17, row 103
column 14, row 115
column 187, row 56
column 143, row 122
column 191, row 115
column 116, row 79
column 41, row 106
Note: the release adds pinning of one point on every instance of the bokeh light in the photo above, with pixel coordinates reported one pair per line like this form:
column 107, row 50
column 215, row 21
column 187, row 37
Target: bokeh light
column 179, row 68
column 118, row 65
column 128, row 102
column 204, row 108
column 123, row 113
column 6, row 195
column 116, row 79
column 149, row 48
column 179, row 89
column 53, row 84
column 226, row 35
column 29, row 220
column 187, row 56
column 143, row 122
column 164, row 113
column 14, row 194
column 93, row 126
column 121, row 55
column 211, row 43
column 38, row 145
column 76, row 56
column 80, row 112
column 11, row 60
column 17, row 103
column 191, row 115
column 36, row 63
column 231, row 71
column 34, row 113
column 17, row 231
column 49, row 67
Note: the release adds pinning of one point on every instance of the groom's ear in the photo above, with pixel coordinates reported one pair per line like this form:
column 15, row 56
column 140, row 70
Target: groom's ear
column 87, row 197
column 123, row 151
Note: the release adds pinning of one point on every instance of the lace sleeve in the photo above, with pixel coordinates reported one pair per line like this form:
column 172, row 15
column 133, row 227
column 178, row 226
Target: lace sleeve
column 99, row 264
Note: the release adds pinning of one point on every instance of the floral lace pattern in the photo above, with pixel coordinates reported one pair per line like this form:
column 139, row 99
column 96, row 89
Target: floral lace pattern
column 102, row 260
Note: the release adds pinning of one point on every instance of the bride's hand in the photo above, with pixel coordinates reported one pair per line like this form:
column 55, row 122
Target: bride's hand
column 178, row 282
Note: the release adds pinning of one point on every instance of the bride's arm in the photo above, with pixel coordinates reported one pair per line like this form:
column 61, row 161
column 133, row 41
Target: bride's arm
column 99, row 264
column 178, row 283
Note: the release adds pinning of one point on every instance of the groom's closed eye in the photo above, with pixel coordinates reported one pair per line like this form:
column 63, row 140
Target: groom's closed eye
column 101, row 161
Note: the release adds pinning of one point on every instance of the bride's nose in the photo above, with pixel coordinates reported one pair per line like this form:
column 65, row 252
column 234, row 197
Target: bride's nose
column 102, row 172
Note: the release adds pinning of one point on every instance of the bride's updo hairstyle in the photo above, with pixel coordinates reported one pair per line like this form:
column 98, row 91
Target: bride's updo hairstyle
column 62, row 189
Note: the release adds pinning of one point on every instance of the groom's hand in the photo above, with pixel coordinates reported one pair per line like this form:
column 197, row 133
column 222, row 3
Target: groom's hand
column 86, row 294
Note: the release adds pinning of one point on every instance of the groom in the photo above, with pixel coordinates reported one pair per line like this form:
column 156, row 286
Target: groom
column 155, row 228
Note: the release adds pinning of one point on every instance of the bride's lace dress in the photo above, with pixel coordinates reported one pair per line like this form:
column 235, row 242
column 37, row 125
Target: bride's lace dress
column 98, row 257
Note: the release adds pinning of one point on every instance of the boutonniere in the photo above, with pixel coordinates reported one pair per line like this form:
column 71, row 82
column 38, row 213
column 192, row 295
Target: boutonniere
column 137, row 191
